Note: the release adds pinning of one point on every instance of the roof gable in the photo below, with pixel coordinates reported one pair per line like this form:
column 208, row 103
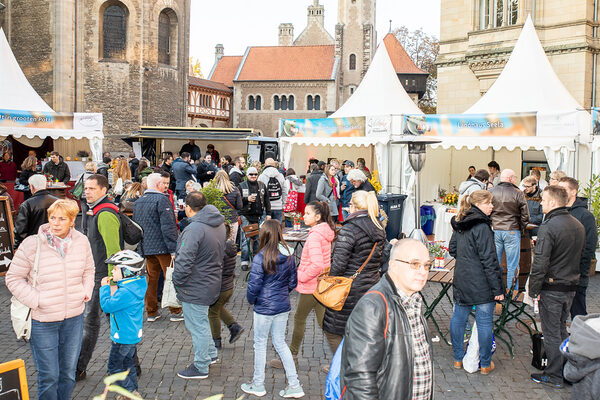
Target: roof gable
column 205, row 83
column 224, row 70
column 401, row 61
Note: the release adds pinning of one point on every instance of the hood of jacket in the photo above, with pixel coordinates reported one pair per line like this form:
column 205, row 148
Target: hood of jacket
column 363, row 222
column 209, row 215
column 468, row 183
column 323, row 230
column 236, row 169
column 580, row 202
column 585, row 336
column 474, row 216
column 271, row 172
column 136, row 285
column 100, row 165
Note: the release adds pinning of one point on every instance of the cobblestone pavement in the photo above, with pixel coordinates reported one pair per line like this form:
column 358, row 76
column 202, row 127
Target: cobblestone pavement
column 167, row 348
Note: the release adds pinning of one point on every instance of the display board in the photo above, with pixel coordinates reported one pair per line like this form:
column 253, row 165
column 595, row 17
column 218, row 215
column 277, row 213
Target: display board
column 13, row 381
column 482, row 125
column 322, row 127
column 7, row 239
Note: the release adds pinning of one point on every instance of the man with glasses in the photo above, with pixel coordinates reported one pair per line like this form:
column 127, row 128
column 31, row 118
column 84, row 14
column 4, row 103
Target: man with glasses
column 387, row 352
column 255, row 203
column 533, row 196
column 509, row 219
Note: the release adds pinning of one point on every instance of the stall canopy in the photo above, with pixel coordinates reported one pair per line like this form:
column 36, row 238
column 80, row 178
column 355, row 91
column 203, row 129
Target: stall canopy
column 24, row 113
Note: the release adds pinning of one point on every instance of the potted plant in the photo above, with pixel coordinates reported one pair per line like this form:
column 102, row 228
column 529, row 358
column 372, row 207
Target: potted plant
column 297, row 218
column 592, row 192
column 83, row 155
column 438, row 251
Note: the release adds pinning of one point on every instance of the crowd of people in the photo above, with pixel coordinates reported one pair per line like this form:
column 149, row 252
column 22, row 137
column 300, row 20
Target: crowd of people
column 385, row 345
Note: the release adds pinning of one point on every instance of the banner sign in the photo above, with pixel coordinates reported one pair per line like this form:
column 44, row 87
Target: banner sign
column 34, row 119
column 322, row 127
column 380, row 125
column 514, row 124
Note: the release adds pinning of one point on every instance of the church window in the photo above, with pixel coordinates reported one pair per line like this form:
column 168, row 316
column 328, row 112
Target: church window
column 276, row 103
column 309, row 103
column 352, row 62
column 499, row 13
column 513, row 12
column 167, row 37
column 258, row 103
column 251, row 103
column 291, row 102
column 351, row 89
column 284, row 103
column 114, row 31
column 484, row 13
column 317, row 102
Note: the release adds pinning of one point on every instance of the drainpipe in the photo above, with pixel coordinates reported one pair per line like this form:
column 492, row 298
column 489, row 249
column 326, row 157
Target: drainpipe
column 595, row 56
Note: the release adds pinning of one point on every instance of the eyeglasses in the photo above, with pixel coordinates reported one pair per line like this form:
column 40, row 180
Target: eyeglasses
column 416, row 265
column 252, row 174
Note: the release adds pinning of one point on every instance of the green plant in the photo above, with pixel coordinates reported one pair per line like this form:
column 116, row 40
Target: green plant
column 215, row 197
column 592, row 192
column 436, row 249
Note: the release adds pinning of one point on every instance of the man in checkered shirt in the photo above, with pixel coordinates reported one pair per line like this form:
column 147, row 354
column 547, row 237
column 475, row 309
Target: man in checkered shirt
column 386, row 352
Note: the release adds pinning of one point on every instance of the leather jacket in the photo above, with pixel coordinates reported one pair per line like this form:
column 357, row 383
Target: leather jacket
column 375, row 366
column 510, row 208
column 33, row 213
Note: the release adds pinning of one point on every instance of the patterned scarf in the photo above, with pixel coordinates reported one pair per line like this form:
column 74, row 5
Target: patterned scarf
column 58, row 244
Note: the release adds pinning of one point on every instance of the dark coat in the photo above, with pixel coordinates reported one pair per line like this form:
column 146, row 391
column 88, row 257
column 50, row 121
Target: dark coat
column 557, row 253
column 254, row 211
column 366, row 186
column 236, row 176
column 477, row 275
column 270, row 293
column 582, row 214
column 234, row 198
column 229, row 260
column 536, row 214
column 96, row 239
column 33, row 213
column 310, row 193
column 199, row 258
column 59, row 171
column 24, row 176
column 203, row 171
column 169, row 170
column 375, row 366
column 352, row 247
column 154, row 213
column 582, row 367
column 193, row 149
column 182, row 172
column 133, row 165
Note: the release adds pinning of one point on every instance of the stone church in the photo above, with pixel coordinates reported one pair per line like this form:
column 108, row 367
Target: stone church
column 127, row 59
column 477, row 37
column 306, row 76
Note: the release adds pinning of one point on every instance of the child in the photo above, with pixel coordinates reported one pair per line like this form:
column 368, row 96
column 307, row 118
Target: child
column 272, row 278
column 125, row 303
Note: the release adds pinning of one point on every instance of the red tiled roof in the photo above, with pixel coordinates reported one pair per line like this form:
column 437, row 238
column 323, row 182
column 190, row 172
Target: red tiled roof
column 288, row 63
column 195, row 81
column 226, row 69
column 401, row 61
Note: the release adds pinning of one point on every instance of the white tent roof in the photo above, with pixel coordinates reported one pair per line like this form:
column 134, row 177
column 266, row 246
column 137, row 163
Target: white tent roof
column 528, row 83
column 379, row 93
column 16, row 93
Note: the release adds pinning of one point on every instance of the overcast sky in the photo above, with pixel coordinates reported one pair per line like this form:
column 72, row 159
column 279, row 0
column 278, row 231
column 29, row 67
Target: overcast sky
column 241, row 23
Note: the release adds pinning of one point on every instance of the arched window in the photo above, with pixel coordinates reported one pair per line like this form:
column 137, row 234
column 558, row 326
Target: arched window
column 167, row 37
column 352, row 62
column 291, row 102
column 258, row 103
column 284, row 103
column 114, row 31
column 309, row 102
column 276, row 103
column 317, row 102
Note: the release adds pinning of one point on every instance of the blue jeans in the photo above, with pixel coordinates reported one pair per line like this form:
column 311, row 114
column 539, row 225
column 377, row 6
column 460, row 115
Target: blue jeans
column 484, row 317
column 245, row 252
column 509, row 242
column 55, row 347
column 277, row 214
column 121, row 359
column 196, row 321
column 276, row 324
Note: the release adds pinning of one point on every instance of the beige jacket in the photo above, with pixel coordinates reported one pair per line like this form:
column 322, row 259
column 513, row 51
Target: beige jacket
column 63, row 284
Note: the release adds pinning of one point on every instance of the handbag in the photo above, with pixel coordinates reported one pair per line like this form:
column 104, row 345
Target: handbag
column 539, row 360
column 169, row 297
column 291, row 203
column 332, row 291
column 77, row 190
column 239, row 219
column 20, row 314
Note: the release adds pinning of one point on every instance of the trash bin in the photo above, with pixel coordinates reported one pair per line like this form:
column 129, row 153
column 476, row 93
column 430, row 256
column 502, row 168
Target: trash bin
column 427, row 219
column 393, row 205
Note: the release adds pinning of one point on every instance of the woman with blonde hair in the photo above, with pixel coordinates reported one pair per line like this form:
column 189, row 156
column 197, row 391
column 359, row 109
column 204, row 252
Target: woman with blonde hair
column 121, row 174
column 477, row 275
column 133, row 192
column 64, row 283
column 232, row 197
column 360, row 241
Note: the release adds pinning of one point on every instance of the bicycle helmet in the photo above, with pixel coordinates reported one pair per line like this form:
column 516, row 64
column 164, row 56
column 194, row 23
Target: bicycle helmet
column 130, row 262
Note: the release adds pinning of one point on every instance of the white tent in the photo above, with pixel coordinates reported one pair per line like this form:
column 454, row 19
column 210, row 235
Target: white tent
column 18, row 97
column 596, row 155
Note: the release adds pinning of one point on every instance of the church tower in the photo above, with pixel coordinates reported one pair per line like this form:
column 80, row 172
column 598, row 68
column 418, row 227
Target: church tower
column 355, row 42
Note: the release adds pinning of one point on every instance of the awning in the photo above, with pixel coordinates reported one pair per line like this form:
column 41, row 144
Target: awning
column 335, row 141
column 508, row 142
column 31, row 133
column 182, row 133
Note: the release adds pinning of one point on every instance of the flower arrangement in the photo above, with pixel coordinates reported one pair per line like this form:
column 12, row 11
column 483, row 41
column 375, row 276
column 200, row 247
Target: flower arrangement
column 49, row 177
column 442, row 193
column 450, row 199
column 297, row 218
column 375, row 181
column 437, row 249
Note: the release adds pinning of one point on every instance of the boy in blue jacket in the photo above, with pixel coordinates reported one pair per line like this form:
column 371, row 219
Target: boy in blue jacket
column 124, row 300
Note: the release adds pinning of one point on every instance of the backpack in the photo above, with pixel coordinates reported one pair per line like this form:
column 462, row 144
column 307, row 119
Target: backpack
column 274, row 189
column 132, row 232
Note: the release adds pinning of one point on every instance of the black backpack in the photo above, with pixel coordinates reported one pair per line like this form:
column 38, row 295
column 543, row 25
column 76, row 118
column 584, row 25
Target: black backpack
column 274, row 189
column 132, row 232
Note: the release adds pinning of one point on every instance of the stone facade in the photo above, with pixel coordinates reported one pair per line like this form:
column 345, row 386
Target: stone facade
column 315, row 32
column 59, row 47
column 474, row 48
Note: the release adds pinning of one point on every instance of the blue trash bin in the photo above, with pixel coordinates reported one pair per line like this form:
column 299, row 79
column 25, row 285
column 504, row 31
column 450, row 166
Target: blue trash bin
column 427, row 219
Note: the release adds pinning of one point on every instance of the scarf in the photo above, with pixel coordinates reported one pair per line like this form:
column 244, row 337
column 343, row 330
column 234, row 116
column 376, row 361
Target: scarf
column 58, row 244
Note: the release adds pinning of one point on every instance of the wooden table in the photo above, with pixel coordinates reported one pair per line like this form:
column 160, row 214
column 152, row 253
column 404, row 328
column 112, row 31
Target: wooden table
column 58, row 190
column 444, row 278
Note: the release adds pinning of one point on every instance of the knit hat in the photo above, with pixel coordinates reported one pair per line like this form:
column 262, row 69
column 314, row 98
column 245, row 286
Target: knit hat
column 252, row 170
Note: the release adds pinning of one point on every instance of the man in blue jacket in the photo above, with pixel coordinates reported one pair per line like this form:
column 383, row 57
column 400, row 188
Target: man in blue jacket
column 197, row 278
column 154, row 213
column 182, row 171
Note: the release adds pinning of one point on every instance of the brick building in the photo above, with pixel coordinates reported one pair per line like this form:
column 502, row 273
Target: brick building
column 127, row 59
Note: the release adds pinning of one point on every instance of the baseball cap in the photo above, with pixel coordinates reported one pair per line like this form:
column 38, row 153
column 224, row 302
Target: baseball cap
column 252, row 170
column 349, row 163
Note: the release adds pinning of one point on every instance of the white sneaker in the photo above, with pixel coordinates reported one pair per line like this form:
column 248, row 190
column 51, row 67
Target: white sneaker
column 153, row 318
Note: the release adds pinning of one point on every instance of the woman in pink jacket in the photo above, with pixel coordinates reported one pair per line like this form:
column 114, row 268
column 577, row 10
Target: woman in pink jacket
column 65, row 280
column 316, row 257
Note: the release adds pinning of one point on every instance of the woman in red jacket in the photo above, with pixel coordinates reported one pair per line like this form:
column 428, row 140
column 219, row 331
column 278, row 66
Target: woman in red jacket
column 316, row 258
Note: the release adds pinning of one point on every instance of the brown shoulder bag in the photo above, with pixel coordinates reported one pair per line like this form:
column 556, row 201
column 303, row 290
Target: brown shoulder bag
column 332, row 291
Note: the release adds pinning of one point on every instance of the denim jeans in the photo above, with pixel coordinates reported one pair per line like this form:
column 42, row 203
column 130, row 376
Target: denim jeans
column 509, row 242
column 121, row 359
column 55, row 347
column 276, row 324
column 484, row 317
column 277, row 214
column 196, row 322
column 245, row 252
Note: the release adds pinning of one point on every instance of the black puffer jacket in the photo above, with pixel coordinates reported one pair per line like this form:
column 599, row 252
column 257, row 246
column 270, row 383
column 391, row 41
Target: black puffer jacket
column 477, row 275
column 228, row 266
column 579, row 210
column 352, row 247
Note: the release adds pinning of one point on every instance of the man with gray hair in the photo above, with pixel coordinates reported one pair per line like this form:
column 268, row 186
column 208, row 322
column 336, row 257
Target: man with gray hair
column 359, row 180
column 154, row 213
column 387, row 353
column 509, row 219
column 33, row 212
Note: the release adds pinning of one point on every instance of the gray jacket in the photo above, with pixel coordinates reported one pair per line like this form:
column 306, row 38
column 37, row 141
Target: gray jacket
column 469, row 186
column 199, row 258
column 325, row 193
column 583, row 357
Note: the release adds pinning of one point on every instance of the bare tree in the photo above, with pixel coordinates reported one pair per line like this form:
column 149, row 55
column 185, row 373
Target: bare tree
column 423, row 49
